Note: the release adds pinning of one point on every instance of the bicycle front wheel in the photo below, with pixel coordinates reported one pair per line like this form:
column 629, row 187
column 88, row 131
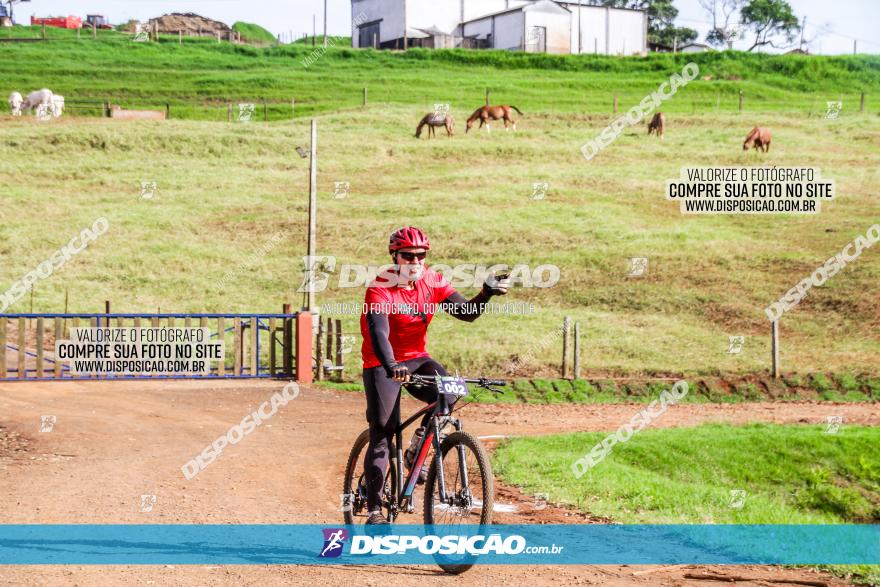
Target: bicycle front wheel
column 469, row 495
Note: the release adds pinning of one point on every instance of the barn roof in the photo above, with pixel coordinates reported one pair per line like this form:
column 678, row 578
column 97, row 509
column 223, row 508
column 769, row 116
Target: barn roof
column 522, row 8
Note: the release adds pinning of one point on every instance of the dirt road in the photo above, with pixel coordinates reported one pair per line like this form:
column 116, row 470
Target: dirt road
column 113, row 442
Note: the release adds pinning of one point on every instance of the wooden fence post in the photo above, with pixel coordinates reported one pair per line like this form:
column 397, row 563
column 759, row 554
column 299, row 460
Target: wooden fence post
column 329, row 351
column 255, row 337
column 167, row 111
column 292, row 108
column 265, row 112
column 862, row 103
column 287, row 343
column 774, row 344
column 339, row 362
column 180, row 37
column 319, row 358
column 2, row 347
column 488, row 96
column 43, row 32
column 615, row 104
column 365, row 95
column 40, row 347
column 577, row 351
column 272, row 354
column 59, row 335
column 565, row 346
column 221, row 335
column 740, row 101
column 229, row 112
column 22, row 327
column 237, row 345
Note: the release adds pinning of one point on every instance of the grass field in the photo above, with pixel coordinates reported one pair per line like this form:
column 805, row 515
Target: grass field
column 790, row 475
column 226, row 190
column 226, row 230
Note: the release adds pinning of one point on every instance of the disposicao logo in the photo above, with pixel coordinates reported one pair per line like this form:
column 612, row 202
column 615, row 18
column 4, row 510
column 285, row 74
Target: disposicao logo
column 334, row 539
column 431, row 544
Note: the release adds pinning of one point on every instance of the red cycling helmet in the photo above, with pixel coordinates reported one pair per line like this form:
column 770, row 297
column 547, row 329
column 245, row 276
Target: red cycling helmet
column 408, row 236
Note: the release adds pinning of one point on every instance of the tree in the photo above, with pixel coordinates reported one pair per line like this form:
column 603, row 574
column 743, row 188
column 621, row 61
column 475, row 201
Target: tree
column 661, row 17
column 769, row 19
column 725, row 26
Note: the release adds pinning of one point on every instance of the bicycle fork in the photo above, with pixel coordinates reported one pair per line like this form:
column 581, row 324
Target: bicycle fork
column 441, row 477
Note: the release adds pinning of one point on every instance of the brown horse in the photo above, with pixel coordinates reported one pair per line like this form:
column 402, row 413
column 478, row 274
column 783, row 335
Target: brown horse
column 486, row 113
column 759, row 137
column 657, row 124
column 435, row 119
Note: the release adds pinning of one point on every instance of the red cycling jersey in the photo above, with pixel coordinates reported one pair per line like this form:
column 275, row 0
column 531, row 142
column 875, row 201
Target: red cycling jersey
column 409, row 313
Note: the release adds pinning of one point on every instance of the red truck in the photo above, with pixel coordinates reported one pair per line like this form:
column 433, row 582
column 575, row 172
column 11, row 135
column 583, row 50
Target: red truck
column 62, row 22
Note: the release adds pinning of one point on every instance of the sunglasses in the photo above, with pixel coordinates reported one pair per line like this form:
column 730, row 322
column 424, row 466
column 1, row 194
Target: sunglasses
column 413, row 256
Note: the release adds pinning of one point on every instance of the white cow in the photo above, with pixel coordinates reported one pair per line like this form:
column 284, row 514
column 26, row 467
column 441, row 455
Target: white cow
column 41, row 100
column 57, row 105
column 15, row 101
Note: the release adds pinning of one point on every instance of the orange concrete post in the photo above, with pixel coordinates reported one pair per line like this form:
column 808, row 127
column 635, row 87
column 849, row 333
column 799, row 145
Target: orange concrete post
column 304, row 347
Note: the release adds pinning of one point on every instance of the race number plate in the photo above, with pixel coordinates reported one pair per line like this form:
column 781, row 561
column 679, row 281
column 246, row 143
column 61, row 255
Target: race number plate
column 452, row 386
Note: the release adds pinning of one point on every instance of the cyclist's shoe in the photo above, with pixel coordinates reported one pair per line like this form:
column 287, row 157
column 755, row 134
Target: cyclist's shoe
column 376, row 518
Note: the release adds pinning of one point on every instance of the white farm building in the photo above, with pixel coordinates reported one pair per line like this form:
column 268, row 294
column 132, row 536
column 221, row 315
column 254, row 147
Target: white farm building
column 535, row 26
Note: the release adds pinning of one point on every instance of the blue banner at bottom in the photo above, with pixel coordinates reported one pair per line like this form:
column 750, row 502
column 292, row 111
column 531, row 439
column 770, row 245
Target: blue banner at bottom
column 590, row 544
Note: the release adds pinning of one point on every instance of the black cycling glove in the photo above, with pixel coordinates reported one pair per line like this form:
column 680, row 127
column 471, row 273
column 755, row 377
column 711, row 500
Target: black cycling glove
column 397, row 371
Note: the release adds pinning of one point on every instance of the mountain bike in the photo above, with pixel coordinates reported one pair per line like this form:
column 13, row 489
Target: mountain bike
column 459, row 486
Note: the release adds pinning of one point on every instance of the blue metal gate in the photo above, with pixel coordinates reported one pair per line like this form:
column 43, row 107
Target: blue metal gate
column 255, row 345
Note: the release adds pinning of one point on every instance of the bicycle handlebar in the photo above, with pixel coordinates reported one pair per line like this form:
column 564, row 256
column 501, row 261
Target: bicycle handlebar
column 481, row 381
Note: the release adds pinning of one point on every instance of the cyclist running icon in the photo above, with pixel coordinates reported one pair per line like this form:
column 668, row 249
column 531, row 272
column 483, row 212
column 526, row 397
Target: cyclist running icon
column 394, row 325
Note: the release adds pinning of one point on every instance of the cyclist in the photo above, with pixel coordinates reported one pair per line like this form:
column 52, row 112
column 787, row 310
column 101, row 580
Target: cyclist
column 398, row 307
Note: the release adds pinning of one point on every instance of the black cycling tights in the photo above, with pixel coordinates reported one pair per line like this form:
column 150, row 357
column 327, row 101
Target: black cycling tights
column 383, row 397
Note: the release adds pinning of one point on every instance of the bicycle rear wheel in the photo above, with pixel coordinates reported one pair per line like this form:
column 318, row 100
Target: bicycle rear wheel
column 468, row 502
column 354, row 489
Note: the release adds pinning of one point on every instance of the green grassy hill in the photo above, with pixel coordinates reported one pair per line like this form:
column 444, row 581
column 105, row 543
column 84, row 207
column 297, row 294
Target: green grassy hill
column 226, row 189
column 198, row 77
column 253, row 33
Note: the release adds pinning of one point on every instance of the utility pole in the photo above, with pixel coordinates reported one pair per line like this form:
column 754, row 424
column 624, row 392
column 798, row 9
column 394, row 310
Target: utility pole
column 325, row 24
column 313, row 217
column 314, row 29
column 580, row 35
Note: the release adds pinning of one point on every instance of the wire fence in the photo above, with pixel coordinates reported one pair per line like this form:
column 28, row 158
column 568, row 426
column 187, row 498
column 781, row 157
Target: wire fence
column 258, row 109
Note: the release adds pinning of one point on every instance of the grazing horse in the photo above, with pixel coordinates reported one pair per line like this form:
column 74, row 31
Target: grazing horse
column 435, row 119
column 657, row 124
column 39, row 99
column 759, row 137
column 15, row 101
column 486, row 113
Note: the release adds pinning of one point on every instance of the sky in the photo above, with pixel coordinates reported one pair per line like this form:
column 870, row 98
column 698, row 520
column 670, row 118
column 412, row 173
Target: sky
column 831, row 26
